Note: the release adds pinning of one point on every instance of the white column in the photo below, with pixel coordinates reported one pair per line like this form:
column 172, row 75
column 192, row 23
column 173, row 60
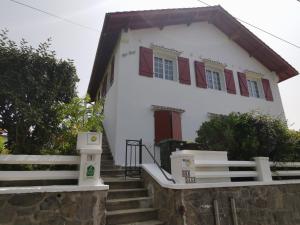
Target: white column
column 263, row 169
column 89, row 144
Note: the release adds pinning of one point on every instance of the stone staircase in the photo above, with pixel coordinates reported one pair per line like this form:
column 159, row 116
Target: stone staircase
column 128, row 202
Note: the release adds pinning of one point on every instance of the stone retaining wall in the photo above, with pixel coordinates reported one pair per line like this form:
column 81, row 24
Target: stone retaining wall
column 255, row 205
column 59, row 208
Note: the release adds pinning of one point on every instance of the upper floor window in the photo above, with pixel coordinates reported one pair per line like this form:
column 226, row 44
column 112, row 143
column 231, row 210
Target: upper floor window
column 254, row 87
column 215, row 79
column 164, row 68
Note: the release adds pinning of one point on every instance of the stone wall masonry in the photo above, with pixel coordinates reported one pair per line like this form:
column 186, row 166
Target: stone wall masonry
column 59, row 208
column 168, row 201
column 255, row 205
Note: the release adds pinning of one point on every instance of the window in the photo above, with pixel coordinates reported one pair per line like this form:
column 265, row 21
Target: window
column 254, row 87
column 167, row 125
column 164, row 68
column 215, row 79
column 158, row 66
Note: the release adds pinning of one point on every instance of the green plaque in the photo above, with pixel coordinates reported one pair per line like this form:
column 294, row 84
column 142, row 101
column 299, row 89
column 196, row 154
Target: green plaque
column 90, row 171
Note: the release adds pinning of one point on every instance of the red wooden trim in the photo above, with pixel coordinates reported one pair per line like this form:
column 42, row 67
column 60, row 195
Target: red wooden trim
column 146, row 62
column 162, row 125
column 243, row 84
column 184, row 70
column 230, row 85
column 267, row 89
column 176, row 126
column 200, row 75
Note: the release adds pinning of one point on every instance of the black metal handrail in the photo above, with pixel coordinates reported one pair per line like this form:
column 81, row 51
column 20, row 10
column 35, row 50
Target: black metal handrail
column 132, row 168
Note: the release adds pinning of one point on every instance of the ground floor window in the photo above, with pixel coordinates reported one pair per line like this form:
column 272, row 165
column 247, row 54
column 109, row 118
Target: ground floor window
column 167, row 125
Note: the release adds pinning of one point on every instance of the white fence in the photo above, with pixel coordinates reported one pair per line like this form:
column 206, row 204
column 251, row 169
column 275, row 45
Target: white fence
column 209, row 166
column 89, row 145
column 40, row 174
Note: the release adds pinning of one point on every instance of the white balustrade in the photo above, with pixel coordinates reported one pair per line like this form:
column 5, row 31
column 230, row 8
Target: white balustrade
column 190, row 166
column 89, row 145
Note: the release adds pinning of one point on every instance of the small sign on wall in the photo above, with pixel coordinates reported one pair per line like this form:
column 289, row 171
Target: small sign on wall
column 93, row 139
column 90, row 171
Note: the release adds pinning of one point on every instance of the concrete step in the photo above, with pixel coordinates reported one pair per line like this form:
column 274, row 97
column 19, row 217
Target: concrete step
column 128, row 203
column 113, row 172
column 130, row 216
column 109, row 167
column 107, row 162
column 106, row 157
column 127, row 193
column 124, row 184
column 105, row 152
column 148, row 222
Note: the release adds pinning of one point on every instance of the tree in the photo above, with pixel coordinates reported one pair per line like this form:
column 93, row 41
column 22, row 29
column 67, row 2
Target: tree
column 33, row 82
column 247, row 135
column 79, row 115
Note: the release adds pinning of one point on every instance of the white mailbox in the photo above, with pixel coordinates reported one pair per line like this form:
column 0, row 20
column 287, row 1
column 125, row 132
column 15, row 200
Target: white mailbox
column 89, row 144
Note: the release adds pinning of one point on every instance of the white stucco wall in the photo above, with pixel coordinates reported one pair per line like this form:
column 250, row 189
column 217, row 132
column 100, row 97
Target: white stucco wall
column 128, row 112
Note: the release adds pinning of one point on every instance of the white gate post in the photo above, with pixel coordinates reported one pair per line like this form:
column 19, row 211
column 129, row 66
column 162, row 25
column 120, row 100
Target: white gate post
column 89, row 144
column 263, row 169
column 182, row 167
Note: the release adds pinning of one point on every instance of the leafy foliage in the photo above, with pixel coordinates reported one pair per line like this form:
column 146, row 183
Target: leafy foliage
column 247, row 135
column 79, row 115
column 3, row 150
column 33, row 83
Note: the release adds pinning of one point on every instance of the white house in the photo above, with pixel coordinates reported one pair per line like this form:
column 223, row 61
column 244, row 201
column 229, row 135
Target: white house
column 163, row 72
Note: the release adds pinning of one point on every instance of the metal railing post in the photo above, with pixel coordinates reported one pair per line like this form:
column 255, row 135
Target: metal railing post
column 140, row 151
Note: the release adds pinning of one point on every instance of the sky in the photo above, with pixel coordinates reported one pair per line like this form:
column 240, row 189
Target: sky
column 281, row 17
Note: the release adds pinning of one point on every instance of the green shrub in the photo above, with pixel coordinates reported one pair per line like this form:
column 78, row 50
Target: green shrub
column 77, row 116
column 247, row 135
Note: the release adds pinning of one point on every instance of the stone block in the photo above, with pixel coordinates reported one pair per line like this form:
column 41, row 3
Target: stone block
column 25, row 199
column 7, row 215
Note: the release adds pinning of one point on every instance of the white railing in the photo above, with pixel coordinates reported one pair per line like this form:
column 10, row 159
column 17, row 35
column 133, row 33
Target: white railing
column 89, row 146
column 209, row 166
column 39, row 174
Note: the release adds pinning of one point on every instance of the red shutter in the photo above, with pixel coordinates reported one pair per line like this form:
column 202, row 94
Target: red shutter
column 267, row 89
column 103, row 91
column 243, row 84
column 229, row 81
column 146, row 62
column 176, row 126
column 184, row 71
column 163, row 125
column 112, row 70
column 200, row 75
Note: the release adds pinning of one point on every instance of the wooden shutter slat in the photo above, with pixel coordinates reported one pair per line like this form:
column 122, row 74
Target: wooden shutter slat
column 184, row 71
column 200, row 75
column 230, row 85
column 243, row 84
column 176, row 126
column 163, row 125
column 103, row 91
column 267, row 89
column 112, row 70
column 146, row 62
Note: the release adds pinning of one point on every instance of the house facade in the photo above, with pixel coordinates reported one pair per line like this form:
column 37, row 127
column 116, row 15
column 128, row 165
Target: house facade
column 163, row 73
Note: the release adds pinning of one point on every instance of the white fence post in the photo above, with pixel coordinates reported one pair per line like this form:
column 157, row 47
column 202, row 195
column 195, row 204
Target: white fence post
column 182, row 167
column 90, row 146
column 263, row 169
